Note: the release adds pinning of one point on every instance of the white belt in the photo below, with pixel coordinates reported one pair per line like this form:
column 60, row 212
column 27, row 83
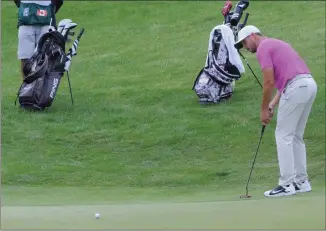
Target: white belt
column 297, row 77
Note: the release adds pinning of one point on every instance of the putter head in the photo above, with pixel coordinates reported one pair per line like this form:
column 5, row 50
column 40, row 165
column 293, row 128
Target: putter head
column 245, row 196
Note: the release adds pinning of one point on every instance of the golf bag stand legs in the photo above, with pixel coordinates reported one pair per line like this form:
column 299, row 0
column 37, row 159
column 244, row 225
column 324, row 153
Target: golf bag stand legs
column 72, row 52
column 72, row 99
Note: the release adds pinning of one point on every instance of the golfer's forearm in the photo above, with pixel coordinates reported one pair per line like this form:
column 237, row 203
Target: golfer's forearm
column 268, row 87
column 267, row 96
column 277, row 97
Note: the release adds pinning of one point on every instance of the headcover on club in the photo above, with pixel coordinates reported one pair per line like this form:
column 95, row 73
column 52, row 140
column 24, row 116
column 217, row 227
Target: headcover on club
column 227, row 7
column 66, row 30
column 63, row 23
column 65, row 26
column 241, row 6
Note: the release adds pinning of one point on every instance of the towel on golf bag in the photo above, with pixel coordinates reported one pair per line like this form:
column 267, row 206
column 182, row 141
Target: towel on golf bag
column 43, row 72
column 223, row 66
column 229, row 41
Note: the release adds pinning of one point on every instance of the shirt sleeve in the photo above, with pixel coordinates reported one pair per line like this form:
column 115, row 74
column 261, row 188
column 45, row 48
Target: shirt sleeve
column 264, row 56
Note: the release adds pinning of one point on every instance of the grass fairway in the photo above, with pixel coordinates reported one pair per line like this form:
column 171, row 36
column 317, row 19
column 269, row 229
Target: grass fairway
column 136, row 146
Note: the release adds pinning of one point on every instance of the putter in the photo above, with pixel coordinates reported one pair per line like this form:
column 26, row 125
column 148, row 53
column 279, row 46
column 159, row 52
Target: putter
column 253, row 163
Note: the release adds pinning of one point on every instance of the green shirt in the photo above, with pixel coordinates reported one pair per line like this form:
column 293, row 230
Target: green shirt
column 35, row 13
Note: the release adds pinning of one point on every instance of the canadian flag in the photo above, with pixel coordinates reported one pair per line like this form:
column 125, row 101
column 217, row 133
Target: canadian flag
column 42, row 13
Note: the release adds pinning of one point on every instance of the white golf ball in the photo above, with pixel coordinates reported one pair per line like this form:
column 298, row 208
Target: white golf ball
column 97, row 215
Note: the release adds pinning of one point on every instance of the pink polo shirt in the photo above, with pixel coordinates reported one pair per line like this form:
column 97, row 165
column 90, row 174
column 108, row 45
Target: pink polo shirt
column 285, row 61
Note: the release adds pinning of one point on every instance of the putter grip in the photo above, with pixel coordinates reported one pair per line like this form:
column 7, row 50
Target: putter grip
column 80, row 33
column 263, row 129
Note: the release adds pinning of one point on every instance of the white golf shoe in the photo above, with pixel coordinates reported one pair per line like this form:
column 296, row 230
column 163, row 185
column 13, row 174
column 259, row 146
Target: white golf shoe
column 279, row 191
column 302, row 187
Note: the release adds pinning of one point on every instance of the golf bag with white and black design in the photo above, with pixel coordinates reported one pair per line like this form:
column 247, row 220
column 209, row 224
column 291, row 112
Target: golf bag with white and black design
column 216, row 81
column 44, row 70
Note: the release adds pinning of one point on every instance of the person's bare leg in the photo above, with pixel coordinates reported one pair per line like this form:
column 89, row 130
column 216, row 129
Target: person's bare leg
column 22, row 63
column 26, row 44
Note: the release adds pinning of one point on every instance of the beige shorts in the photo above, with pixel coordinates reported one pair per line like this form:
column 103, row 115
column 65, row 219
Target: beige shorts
column 28, row 37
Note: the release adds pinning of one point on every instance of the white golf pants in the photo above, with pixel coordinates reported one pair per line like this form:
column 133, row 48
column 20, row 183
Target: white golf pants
column 293, row 112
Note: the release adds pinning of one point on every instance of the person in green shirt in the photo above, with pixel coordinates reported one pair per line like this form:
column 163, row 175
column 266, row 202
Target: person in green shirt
column 34, row 19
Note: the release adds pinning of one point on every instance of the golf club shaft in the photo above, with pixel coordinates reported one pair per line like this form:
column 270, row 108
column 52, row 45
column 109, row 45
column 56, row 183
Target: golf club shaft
column 246, row 19
column 253, row 163
column 250, row 68
column 72, row 99
column 80, row 33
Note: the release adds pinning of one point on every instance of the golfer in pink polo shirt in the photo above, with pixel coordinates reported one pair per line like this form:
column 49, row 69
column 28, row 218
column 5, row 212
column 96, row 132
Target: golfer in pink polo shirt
column 286, row 71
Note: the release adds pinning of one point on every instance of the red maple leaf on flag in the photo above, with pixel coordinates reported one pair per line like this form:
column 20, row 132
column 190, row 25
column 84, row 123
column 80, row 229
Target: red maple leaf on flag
column 43, row 13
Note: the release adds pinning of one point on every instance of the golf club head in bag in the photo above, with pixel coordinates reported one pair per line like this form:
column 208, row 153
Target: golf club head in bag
column 226, row 8
column 232, row 18
column 65, row 26
column 73, row 50
column 237, row 14
column 63, row 23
